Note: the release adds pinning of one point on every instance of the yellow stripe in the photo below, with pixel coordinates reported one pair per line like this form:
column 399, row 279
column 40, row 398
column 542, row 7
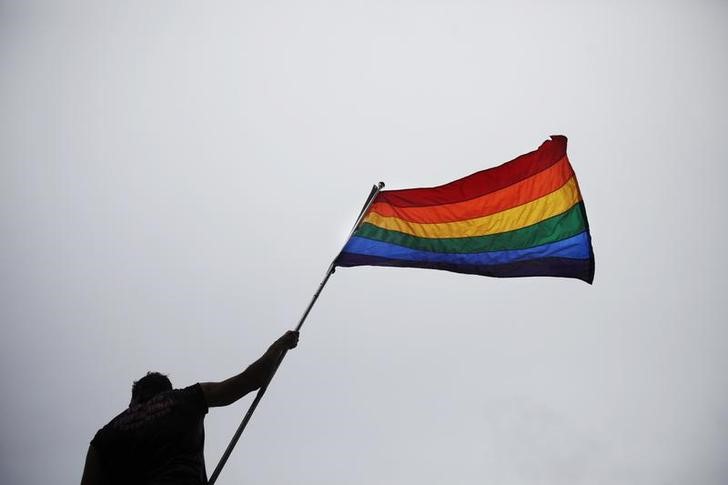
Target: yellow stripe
column 508, row 220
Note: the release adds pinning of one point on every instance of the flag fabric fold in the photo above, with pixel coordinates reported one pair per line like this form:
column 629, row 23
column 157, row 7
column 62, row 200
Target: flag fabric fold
column 523, row 218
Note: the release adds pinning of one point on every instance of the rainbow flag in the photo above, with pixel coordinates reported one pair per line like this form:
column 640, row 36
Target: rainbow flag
column 523, row 218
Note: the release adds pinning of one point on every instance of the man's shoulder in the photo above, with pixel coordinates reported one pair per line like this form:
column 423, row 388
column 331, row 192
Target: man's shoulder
column 191, row 397
column 189, row 391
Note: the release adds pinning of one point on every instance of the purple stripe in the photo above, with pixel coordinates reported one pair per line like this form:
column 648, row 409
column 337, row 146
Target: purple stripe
column 582, row 269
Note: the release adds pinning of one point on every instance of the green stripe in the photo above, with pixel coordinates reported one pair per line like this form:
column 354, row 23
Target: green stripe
column 556, row 228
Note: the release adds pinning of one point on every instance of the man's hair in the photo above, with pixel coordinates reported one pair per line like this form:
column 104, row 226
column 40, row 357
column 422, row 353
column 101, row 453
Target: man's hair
column 149, row 386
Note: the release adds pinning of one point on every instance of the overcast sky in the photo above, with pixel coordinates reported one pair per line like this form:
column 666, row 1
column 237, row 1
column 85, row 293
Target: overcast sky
column 175, row 178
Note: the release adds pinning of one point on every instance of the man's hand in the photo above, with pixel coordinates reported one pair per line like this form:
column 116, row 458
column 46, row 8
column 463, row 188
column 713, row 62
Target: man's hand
column 287, row 341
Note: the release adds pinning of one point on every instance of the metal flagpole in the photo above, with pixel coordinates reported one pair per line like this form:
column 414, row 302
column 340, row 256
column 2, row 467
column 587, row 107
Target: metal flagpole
column 216, row 473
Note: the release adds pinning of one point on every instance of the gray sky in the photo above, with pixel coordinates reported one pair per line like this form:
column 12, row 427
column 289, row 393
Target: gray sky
column 175, row 178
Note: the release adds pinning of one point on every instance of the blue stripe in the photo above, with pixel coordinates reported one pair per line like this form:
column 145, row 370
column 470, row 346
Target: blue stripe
column 575, row 247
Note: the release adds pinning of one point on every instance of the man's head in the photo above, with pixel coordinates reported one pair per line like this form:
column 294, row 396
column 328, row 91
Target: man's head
column 149, row 386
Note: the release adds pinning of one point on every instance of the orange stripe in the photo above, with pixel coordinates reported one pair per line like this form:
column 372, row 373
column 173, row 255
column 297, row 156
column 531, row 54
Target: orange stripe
column 520, row 193
column 511, row 219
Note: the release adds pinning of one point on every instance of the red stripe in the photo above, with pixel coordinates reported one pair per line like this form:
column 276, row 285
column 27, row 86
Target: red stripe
column 523, row 192
column 483, row 182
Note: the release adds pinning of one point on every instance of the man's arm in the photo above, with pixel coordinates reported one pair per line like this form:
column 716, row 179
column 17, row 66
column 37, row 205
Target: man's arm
column 92, row 473
column 256, row 375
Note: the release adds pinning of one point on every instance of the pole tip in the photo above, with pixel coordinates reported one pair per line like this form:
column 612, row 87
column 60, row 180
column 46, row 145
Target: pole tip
column 380, row 185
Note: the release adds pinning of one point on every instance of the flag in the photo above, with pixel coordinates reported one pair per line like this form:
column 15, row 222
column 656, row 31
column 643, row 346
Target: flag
column 523, row 218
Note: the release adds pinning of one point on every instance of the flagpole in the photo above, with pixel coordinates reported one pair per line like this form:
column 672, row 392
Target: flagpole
column 216, row 473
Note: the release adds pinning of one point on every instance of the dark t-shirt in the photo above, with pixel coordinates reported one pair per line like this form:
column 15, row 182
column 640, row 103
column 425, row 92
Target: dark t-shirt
column 160, row 441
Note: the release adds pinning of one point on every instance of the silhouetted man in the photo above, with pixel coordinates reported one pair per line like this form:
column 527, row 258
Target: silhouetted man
column 159, row 438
